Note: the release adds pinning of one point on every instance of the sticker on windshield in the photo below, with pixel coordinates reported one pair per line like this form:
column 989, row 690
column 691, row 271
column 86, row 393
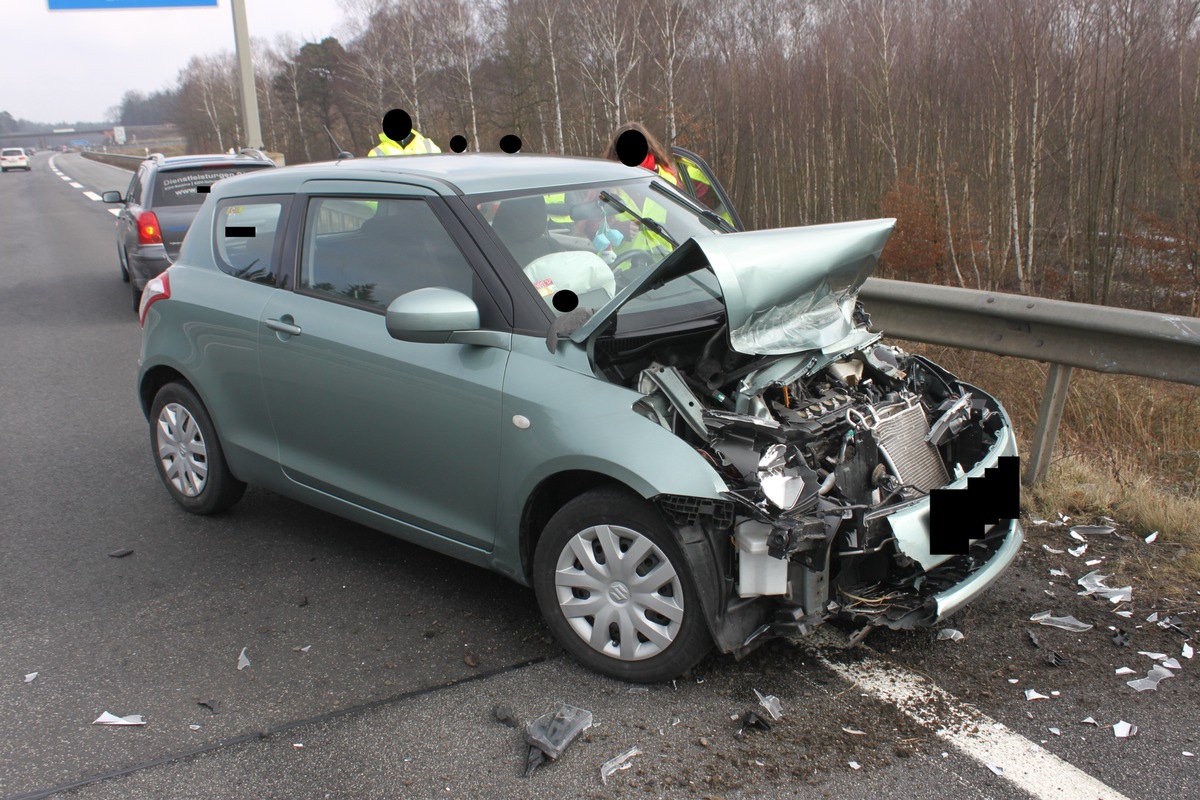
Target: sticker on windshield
column 545, row 287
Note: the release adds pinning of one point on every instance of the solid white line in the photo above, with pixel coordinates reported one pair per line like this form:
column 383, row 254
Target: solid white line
column 1025, row 763
column 75, row 185
column 116, row 212
column 91, row 195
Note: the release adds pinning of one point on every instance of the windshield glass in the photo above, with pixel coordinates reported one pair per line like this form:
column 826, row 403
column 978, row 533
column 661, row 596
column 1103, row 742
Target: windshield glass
column 592, row 241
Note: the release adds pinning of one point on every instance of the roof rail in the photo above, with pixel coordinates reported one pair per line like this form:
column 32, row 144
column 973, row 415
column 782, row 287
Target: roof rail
column 156, row 157
column 254, row 152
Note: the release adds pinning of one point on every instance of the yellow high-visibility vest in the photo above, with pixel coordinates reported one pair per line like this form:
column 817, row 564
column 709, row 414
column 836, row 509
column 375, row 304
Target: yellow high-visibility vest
column 390, row 147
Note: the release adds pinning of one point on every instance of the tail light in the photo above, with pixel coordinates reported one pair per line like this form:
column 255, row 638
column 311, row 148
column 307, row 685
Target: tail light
column 148, row 230
column 156, row 289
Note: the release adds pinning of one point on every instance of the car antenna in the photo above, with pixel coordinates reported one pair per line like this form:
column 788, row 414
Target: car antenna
column 341, row 153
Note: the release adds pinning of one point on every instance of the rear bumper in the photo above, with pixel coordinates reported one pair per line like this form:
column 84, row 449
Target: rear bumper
column 146, row 262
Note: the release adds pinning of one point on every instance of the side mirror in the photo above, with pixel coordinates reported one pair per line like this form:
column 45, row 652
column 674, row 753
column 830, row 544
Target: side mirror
column 112, row 197
column 431, row 315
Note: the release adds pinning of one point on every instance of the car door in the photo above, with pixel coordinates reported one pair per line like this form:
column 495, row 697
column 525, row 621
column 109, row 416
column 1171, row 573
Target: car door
column 127, row 218
column 700, row 183
column 407, row 430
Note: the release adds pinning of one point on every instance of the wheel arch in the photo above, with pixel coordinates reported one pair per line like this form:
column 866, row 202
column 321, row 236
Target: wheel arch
column 154, row 379
column 551, row 494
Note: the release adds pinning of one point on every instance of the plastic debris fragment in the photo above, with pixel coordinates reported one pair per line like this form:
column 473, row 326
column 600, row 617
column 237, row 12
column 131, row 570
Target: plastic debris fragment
column 1014, row 680
column 31, row 675
column 1152, row 679
column 1153, row 617
column 771, row 703
column 998, row 770
column 193, row 727
column 1123, row 671
column 1065, row 623
column 1122, row 639
column 1155, row 656
column 1078, row 551
column 1090, row 721
column 1093, row 583
column 1093, row 530
column 297, row 745
column 1034, row 694
column 618, row 763
column 1172, row 663
column 1150, row 539
column 1059, row 573
column 1187, row 651
column 1055, row 731
column 1033, row 639
column 551, row 733
column 1124, row 730
column 854, row 732
column 243, row 661
column 124, row 551
column 854, row 765
column 1173, row 623
column 1076, row 536
column 1126, row 614
column 505, row 716
column 950, row 633
column 112, row 719
column 1189, row 755
column 1051, row 550
column 751, row 721
column 1039, row 522
column 1094, row 562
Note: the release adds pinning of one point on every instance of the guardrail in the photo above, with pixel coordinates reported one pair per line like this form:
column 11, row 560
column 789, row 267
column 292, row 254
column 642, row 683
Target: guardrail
column 1063, row 334
column 115, row 159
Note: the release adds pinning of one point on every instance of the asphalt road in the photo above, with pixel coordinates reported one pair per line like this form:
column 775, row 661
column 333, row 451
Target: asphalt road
column 374, row 664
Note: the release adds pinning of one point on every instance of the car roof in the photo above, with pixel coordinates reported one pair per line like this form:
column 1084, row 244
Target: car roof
column 448, row 173
column 213, row 160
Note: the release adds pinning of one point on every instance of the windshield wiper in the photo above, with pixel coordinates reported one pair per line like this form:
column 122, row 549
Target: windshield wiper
column 646, row 221
column 694, row 205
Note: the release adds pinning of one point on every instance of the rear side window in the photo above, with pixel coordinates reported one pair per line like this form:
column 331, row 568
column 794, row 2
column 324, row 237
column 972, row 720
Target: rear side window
column 247, row 231
column 188, row 187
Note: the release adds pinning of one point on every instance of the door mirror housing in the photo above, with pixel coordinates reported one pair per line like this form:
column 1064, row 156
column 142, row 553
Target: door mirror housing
column 432, row 314
column 112, row 197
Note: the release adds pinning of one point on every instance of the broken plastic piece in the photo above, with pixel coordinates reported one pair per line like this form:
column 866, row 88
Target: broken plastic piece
column 1059, row 573
column 1033, row 639
column 1123, row 671
column 243, row 662
column 1187, row 651
column 751, row 721
column 31, row 675
column 553, row 731
column 1153, row 617
column 950, row 633
column 1090, row 721
column 1078, row 551
column 1152, row 679
column 854, row 731
column 124, row 551
column 1150, row 539
column 1124, row 730
column 854, row 765
column 998, row 770
column 1065, row 623
column 534, row 758
column 618, row 763
column 1122, row 639
column 1033, row 694
column 505, row 716
column 112, row 719
column 1172, row 663
column 1155, row 656
column 1077, row 537
column 771, row 703
column 1050, row 549
column 1093, row 530
column 1055, row 731
column 1126, row 614
column 1093, row 583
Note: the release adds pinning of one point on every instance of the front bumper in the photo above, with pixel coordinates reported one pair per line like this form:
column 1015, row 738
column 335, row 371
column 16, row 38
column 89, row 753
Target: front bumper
column 954, row 598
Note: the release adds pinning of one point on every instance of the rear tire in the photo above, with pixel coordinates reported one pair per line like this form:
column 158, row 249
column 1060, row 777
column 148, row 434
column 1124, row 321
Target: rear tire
column 137, row 297
column 122, row 260
column 188, row 454
column 614, row 587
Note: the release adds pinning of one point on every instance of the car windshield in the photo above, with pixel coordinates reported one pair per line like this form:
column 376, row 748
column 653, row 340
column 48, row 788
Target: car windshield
column 594, row 240
column 189, row 187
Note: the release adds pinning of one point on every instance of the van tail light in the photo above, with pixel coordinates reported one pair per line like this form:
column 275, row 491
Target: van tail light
column 156, row 289
column 148, row 230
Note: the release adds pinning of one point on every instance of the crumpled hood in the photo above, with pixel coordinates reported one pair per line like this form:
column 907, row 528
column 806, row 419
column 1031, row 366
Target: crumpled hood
column 785, row 290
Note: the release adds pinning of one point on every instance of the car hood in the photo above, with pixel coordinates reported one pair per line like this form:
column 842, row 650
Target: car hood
column 785, row 290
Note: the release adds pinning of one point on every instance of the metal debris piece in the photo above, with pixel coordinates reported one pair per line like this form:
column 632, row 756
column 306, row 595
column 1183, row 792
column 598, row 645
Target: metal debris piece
column 112, row 719
column 1056, row 660
column 950, row 633
column 771, row 703
column 1065, row 623
column 1187, row 651
column 751, row 721
column 1124, row 730
column 124, row 551
column 998, row 770
column 1122, row 639
column 243, row 661
column 618, row 763
column 1051, row 550
column 1093, row 583
column 854, row 765
column 1172, row 663
column 1034, row 694
column 854, row 731
column 1078, row 551
column 1123, row 671
column 505, row 716
column 1152, row 679
column 1150, row 539
column 1093, row 530
column 29, row 676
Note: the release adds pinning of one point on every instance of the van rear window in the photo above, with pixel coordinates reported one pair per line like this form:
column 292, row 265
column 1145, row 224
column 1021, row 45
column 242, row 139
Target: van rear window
column 185, row 187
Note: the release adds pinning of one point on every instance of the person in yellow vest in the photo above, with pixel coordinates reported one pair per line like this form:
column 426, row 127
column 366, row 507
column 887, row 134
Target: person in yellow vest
column 634, row 146
column 399, row 138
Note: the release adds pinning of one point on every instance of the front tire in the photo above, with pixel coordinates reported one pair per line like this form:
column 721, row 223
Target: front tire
column 614, row 587
column 187, row 453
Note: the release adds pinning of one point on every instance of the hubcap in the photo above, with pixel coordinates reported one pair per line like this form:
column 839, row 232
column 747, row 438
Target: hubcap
column 181, row 450
column 619, row 593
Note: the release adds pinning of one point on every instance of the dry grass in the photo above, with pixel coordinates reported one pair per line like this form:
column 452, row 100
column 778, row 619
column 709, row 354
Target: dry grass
column 1128, row 448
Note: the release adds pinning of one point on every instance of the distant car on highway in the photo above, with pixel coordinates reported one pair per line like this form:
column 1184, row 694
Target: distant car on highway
column 14, row 158
column 160, row 203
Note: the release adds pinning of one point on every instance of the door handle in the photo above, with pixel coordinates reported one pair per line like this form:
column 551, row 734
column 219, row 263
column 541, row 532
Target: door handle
column 283, row 327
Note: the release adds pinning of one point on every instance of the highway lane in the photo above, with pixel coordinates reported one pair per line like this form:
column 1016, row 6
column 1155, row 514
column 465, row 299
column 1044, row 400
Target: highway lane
column 159, row 631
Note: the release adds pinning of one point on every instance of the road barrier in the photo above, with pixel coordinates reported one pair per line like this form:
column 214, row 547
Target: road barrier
column 1065, row 335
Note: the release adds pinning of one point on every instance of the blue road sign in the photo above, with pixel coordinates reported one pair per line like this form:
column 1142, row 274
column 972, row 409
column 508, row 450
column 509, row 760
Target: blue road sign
column 69, row 5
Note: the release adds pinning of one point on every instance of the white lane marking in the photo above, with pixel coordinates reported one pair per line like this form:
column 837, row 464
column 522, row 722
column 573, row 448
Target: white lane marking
column 116, row 212
column 75, row 185
column 1025, row 763
column 91, row 195
column 64, row 177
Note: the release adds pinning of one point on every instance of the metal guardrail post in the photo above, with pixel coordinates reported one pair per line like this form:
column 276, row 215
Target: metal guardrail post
column 1054, row 399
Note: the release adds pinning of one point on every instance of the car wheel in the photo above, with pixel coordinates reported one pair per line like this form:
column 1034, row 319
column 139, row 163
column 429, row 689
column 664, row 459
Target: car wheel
column 612, row 584
column 187, row 453
column 137, row 297
column 122, row 260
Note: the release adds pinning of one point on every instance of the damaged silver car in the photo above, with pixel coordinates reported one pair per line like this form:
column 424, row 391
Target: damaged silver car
column 679, row 434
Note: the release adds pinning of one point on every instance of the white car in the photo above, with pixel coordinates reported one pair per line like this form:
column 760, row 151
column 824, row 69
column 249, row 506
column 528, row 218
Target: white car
column 13, row 158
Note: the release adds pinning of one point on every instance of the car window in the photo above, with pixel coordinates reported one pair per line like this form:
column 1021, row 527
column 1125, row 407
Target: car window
column 188, row 187
column 245, row 232
column 134, row 195
column 370, row 252
column 12, row 151
column 698, row 181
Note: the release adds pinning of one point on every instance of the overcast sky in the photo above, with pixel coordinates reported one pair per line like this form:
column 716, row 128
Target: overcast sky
column 68, row 66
